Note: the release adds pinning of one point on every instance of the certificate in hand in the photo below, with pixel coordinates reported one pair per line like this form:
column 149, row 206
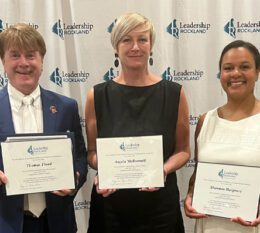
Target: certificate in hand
column 34, row 165
column 130, row 162
column 227, row 190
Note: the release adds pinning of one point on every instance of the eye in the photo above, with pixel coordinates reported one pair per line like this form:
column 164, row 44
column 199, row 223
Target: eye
column 15, row 55
column 126, row 40
column 143, row 40
column 227, row 68
column 245, row 67
column 30, row 56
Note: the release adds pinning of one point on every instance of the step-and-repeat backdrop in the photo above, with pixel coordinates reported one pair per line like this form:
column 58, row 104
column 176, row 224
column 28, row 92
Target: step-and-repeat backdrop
column 190, row 37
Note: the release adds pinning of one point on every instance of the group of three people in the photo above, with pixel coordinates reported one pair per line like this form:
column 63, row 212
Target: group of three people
column 135, row 103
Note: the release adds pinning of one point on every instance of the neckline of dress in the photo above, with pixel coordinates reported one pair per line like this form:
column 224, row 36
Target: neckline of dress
column 237, row 121
column 129, row 86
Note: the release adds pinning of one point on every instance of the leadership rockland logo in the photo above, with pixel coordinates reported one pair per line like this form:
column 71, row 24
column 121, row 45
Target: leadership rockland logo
column 80, row 205
column 218, row 75
column 194, row 120
column 82, row 122
column 185, row 75
column 3, row 80
column 63, row 29
column 110, row 27
column 176, row 28
column 129, row 146
column 190, row 163
column 227, row 174
column 233, row 27
column 37, row 150
column 59, row 77
column 109, row 75
column 4, row 25
column 1, row 26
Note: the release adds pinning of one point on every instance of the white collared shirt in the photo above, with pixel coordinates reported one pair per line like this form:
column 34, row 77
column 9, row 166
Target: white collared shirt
column 15, row 98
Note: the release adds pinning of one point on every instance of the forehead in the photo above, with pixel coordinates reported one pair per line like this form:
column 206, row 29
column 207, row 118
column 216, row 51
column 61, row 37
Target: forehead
column 18, row 49
column 140, row 30
column 238, row 54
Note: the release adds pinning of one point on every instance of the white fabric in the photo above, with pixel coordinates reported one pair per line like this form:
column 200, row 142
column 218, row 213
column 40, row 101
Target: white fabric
column 35, row 203
column 29, row 120
column 229, row 142
column 15, row 98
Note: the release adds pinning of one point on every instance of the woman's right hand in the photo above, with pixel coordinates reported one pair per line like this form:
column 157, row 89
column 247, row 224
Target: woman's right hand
column 3, row 178
column 103, row 192
column 189, row 210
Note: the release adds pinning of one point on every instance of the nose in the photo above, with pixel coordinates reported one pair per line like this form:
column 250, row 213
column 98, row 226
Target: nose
column 236, row 72
column 135, row 45
column 23, row 61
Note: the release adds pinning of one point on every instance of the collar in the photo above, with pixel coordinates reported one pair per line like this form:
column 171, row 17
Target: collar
column 17, row 96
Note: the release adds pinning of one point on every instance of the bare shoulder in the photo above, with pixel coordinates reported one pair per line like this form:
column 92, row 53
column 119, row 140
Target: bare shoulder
column 199, row 124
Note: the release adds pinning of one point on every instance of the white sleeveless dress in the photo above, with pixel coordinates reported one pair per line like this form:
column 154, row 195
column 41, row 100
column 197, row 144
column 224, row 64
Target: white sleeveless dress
column 229, row 142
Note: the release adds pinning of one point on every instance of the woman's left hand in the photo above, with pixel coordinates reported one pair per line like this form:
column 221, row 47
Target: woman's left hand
column 149, row 189
column 246, row 223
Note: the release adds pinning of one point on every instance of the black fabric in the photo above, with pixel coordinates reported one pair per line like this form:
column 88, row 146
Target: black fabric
column 35, row 225
column 138, row 111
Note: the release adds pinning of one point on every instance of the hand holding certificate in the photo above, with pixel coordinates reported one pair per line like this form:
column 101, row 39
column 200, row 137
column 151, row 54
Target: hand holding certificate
column 38, row 164
column 227, row 190
column 130, row 162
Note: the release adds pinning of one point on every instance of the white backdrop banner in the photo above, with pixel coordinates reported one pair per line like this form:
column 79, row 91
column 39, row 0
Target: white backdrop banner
column 190, row 36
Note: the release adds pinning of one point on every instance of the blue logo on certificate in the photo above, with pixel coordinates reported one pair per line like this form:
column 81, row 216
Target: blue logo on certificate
column 227, row 174
column 129, row 146
column 30, row 150
column 221, row 173
column 37, row 150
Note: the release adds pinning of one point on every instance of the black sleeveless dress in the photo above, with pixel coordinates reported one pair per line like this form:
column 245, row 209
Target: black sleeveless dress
column 123, row 111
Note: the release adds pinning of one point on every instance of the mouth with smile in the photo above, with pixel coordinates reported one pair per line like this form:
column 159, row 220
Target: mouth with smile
column 135, row 56
column 236, row 83
column 23, row 72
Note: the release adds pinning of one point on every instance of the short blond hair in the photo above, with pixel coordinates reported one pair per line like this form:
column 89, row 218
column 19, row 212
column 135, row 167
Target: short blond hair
column 128, row 22
column 23, row 37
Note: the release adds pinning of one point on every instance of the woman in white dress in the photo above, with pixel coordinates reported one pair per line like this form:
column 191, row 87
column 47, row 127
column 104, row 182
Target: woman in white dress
column 230, row 134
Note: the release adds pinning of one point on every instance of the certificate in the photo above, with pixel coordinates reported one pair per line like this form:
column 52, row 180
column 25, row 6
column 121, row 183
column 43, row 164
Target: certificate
column 130, row 162
column 227, row 190
column 33, row 166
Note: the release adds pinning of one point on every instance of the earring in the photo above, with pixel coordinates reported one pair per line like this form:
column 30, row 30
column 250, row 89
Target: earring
column 116, row 62
column 151, row 59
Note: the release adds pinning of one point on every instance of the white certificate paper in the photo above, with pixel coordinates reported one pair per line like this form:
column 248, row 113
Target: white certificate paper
column 227, row 190
column 33, row 166
column 130, row 162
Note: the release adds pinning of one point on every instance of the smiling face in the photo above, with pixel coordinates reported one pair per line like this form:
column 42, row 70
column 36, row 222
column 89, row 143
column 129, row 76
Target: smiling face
column 134, row 48
column 238, row 73
column 23, row 69
column 22, row 49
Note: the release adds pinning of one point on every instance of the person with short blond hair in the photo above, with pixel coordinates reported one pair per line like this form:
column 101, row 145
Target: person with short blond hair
column 138, row 103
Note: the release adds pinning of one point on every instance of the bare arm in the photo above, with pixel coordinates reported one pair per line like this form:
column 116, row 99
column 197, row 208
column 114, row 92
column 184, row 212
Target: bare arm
column 91, row 129
column 189, row 210
column 197, row 131
column 182, row 150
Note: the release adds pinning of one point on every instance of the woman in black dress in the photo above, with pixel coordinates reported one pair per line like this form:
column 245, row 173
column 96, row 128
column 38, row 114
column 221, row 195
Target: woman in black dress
column 138, row 103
